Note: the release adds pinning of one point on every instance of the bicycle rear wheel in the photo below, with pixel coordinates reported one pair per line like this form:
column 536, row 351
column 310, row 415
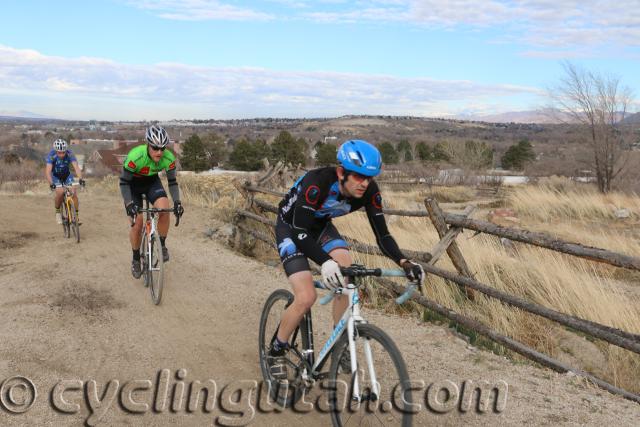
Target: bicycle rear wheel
column 388, row 404
column 155, row 268
column 73, row 221
column 284, row 392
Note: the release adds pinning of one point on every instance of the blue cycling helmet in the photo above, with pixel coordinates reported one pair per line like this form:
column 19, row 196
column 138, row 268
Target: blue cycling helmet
column 360, row 157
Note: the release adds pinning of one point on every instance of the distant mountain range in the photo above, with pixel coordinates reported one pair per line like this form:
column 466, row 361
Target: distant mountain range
column 531, row 116
column 534, row 116
column 632, row 119
column 20, row 115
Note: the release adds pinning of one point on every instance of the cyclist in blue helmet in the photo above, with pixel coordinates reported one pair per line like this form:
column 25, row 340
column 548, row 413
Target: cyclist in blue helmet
column 304, row 230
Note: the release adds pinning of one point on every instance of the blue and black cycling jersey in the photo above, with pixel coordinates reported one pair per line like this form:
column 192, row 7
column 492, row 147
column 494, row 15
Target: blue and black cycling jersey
column 315, row 198
column 60, row 167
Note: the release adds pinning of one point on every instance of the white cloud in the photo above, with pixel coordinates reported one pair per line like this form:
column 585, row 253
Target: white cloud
column 199, row 10
column 238, row 92
column 540, row 23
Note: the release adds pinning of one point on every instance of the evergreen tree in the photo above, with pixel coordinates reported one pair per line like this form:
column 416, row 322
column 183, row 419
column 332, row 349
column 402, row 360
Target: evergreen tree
column 518, row 155
column 404, row 150
column 424, row 152
column 326, row 155
column 248, row 155
column 288, row 149
column 194, row 156
column 388, row 153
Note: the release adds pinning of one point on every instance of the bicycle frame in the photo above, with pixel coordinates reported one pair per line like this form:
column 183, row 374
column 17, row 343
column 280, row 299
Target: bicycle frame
column 350, row 318
column 68, row 193
column 149, row 229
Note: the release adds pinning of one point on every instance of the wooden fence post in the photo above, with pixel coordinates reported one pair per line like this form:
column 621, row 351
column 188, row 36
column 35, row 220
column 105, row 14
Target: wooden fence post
column 437, row 218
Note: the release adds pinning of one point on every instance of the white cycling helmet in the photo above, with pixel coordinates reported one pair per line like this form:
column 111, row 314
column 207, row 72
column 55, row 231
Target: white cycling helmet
column 156, row 136
column 60, row 144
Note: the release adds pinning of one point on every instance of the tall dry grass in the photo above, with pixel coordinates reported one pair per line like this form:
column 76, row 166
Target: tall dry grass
column 567, row 284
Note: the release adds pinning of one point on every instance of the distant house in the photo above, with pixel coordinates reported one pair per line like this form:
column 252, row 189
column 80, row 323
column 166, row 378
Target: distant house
column 111, row 159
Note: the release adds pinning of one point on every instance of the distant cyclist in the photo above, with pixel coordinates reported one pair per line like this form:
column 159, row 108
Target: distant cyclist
column 140, row 176
column 58, row 173
column 304, row 230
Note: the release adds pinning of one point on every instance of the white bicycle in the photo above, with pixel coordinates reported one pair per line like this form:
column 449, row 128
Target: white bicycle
column 151, row 251
column 374, row 391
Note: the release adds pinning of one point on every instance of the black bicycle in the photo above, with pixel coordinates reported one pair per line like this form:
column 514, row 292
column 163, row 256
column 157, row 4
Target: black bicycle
column 375, row 390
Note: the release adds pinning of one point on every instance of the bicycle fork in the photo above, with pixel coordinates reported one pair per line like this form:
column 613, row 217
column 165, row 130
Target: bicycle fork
column 354, row 306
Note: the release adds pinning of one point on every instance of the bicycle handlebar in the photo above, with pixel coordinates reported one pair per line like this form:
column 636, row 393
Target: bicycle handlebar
column 157, row 210
column 361, row 271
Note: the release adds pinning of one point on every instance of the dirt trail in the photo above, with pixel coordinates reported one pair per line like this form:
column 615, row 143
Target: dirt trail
column 73, row 312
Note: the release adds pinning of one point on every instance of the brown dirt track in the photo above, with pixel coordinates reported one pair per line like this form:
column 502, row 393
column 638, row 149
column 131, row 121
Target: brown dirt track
column 73, row 312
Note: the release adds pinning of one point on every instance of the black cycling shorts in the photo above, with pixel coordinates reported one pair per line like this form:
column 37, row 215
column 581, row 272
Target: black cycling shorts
column 151, row 187
column 293, row 260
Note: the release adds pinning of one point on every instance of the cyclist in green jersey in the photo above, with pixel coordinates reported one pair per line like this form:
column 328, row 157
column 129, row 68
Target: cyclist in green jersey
column 140, row 176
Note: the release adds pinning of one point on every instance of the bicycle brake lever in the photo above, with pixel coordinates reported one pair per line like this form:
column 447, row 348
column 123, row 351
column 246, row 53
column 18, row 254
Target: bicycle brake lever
column 407, row 294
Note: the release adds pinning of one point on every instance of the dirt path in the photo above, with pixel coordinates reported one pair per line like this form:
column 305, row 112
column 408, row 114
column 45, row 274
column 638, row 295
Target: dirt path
column 73, row 312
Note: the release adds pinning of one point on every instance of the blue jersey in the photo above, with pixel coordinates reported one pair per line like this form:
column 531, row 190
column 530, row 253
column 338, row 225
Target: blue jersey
column 60, row 167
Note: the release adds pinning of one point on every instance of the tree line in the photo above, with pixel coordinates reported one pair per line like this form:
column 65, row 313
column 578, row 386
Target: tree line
column 206, row 152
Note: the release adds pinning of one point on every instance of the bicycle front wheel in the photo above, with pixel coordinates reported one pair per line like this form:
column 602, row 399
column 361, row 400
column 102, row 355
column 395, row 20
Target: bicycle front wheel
column 155, row 268
column 73, row 221
column 378, row 393
column 64, row 212
column 288, row 388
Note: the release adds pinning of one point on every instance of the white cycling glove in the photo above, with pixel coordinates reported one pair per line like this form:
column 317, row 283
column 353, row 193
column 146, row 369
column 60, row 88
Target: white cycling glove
column 331, row 275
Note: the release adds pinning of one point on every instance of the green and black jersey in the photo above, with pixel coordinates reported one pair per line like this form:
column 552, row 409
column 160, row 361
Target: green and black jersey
column 139, row 170
column 140, row 164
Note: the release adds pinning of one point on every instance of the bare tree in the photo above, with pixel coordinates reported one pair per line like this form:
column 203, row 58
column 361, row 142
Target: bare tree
column 598, row 102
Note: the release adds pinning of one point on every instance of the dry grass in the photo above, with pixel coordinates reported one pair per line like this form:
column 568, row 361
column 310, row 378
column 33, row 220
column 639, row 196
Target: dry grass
column 20, row 177
column 561, row 199
column 414, row 199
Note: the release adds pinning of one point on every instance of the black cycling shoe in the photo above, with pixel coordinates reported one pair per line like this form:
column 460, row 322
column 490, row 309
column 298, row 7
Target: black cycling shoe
column 277, row 363
column 136, row 269
column 165, row 254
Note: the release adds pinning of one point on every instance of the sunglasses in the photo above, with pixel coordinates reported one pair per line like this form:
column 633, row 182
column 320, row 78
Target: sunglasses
column 157, row 148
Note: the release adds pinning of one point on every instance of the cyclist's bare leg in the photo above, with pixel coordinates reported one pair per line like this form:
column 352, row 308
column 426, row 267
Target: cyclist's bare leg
column 304, row 295
column 58, row 197
column 163, row 219
column 340, row 303
column 135, row 232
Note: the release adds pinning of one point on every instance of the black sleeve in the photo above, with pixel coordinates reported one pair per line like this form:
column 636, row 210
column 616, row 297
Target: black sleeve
column 373, row 206
column 125, row 185
column 173, row 185
column 310, row 197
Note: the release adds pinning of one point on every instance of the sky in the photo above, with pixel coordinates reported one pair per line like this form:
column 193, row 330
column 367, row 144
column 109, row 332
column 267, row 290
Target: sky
column 225, row 59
